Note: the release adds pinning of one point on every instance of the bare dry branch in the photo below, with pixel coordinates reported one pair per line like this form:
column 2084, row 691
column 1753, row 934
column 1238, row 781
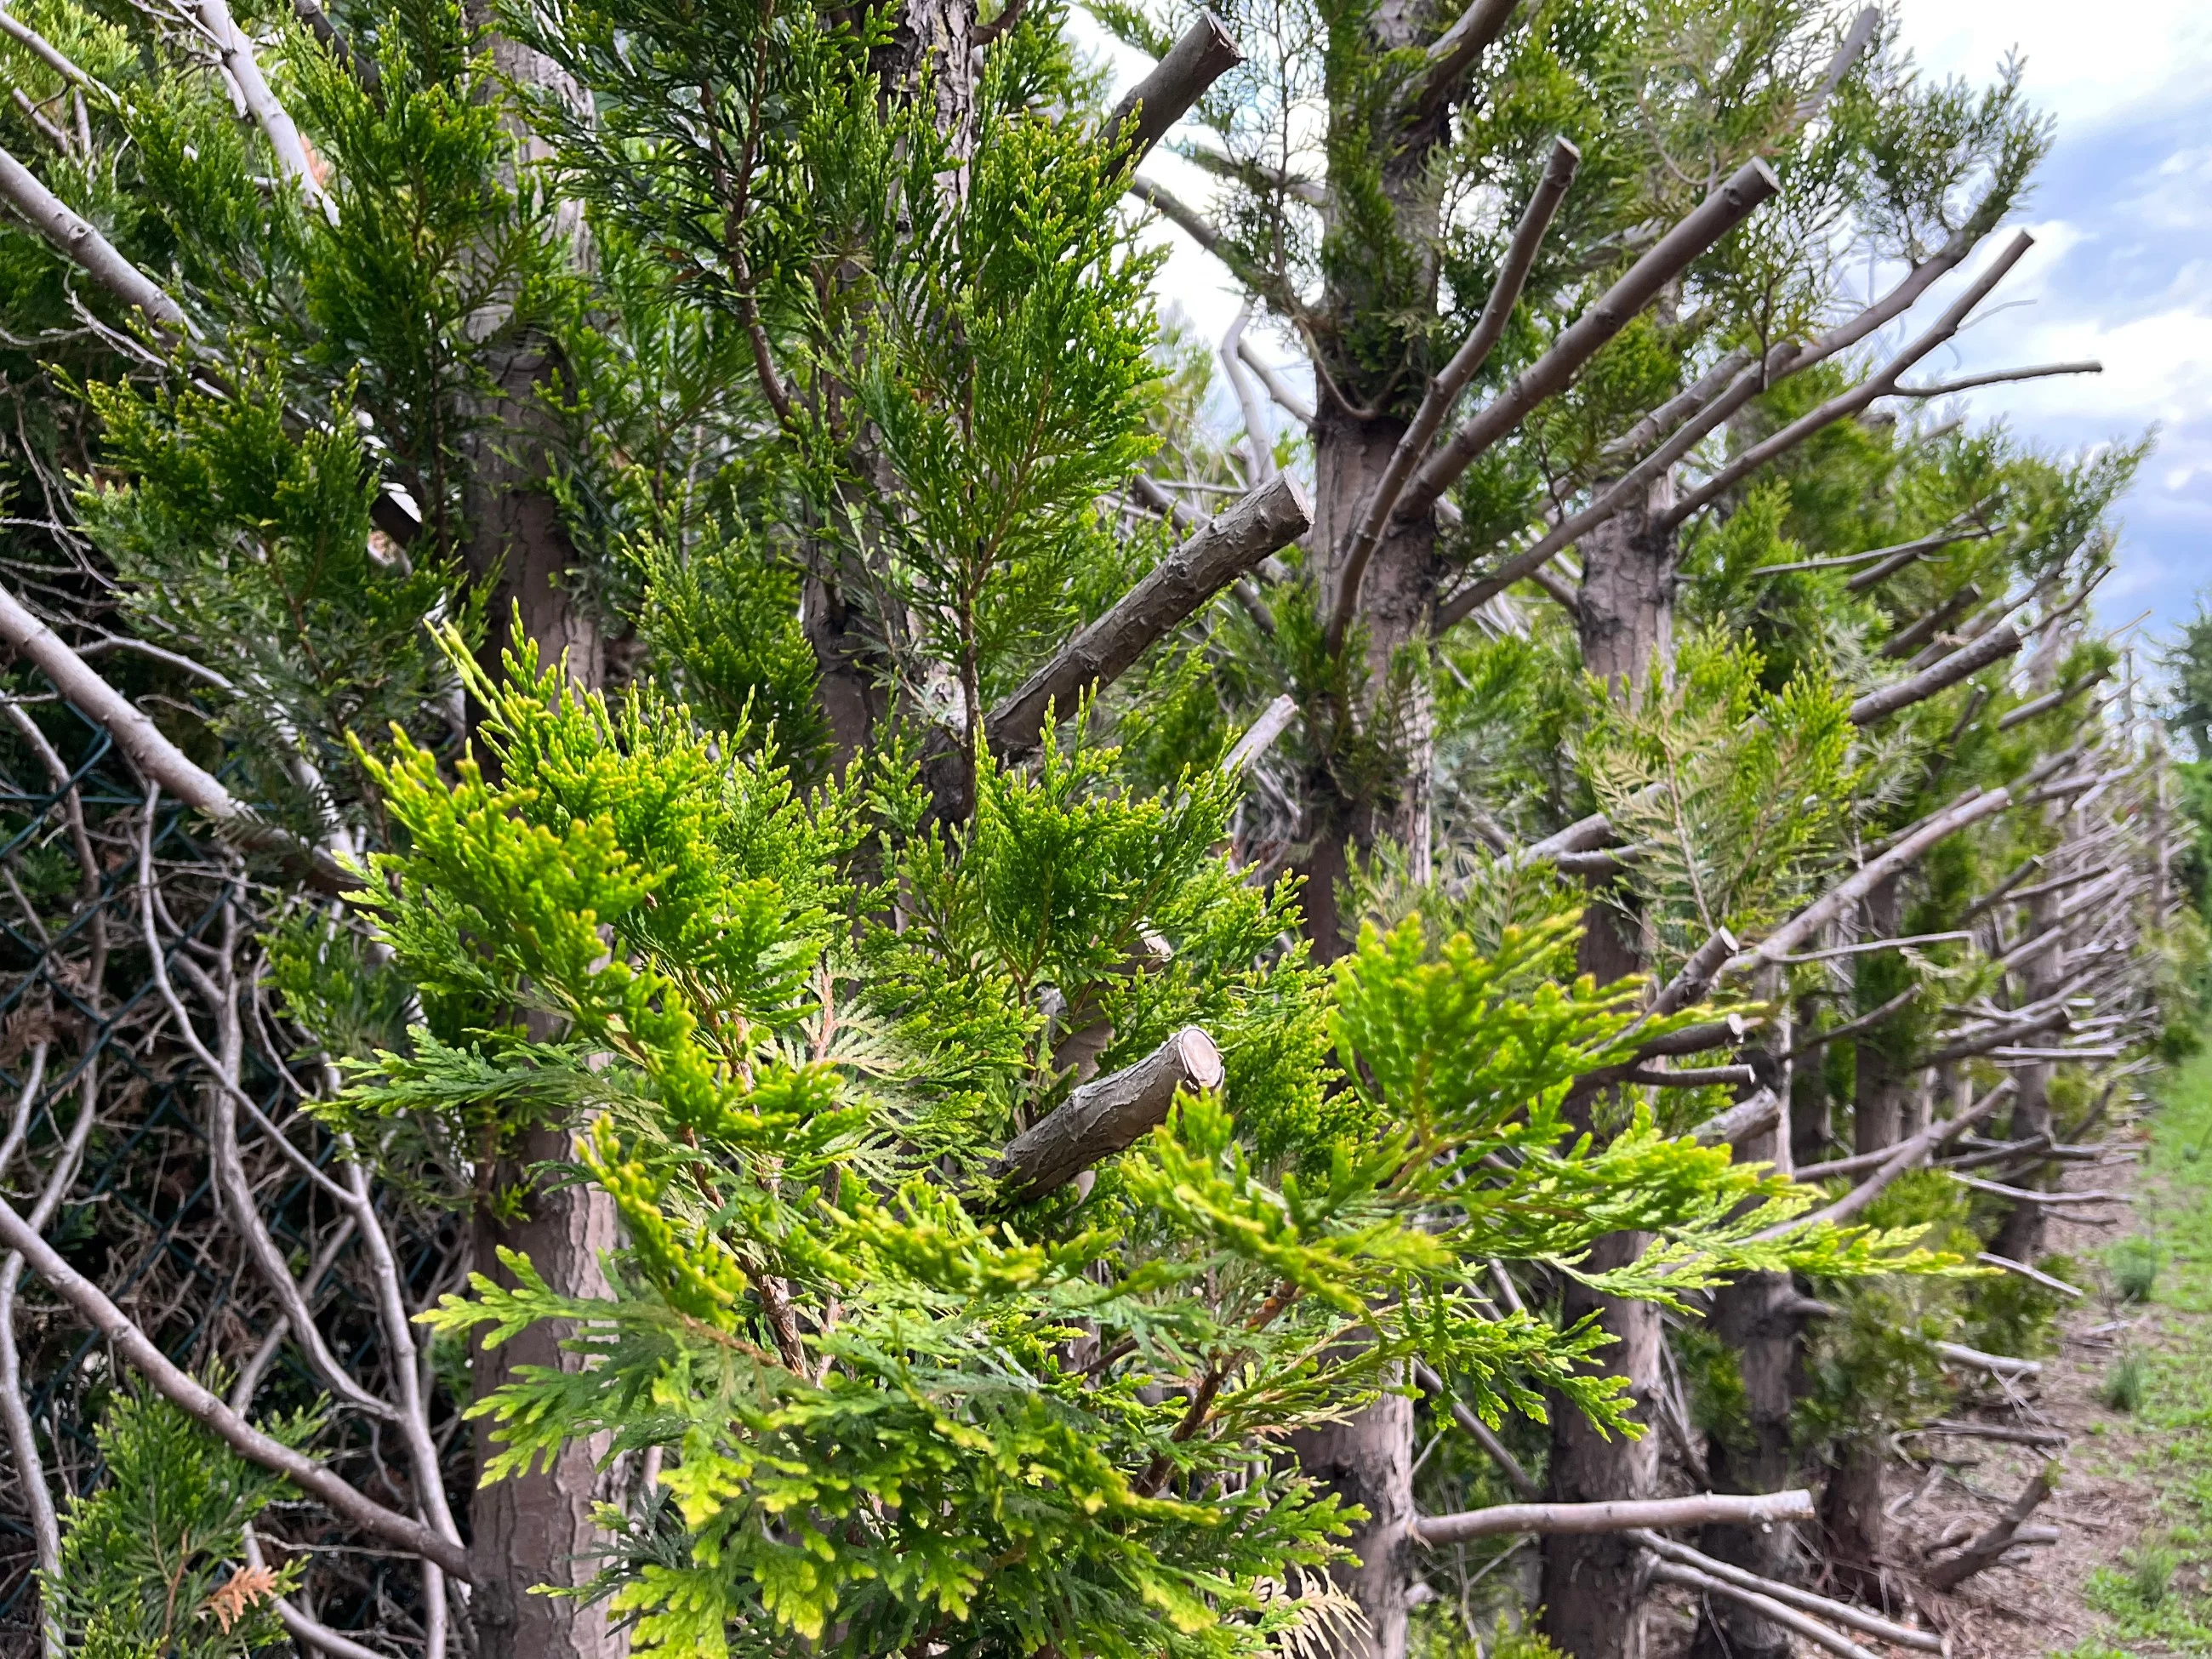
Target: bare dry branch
column 137, row 1350
column 1452, row 54
column 1986, row 1550
column 1205, row 53
column 1839, row 1612
column 1705, row 225
column 1905, row 1155
column 1999, row 377
column 158, row 758
column 75, row 240
column 1939, row 675
column 1909, row 639
column 1621, row 1515
column 1674, row 1572
column 1269, row 517
column 1106, row 1116
column 1878, row 385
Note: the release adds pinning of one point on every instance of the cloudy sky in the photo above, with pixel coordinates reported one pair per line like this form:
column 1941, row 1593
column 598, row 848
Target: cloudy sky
column 2122, row 270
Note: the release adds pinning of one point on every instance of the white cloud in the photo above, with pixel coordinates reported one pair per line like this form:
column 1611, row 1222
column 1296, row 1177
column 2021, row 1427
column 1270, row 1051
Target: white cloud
column 2131, row 59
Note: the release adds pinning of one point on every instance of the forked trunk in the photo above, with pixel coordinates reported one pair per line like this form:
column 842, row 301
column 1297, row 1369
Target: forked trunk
column 1349, row 813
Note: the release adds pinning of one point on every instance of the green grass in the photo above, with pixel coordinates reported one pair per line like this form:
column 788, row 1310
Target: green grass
column 2149, row 1596
column 2125, row 1382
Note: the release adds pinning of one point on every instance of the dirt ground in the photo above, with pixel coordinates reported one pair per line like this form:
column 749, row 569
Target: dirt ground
column 2130, row 1570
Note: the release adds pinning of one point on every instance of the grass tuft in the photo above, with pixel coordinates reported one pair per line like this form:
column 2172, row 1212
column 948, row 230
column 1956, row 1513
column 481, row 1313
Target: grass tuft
column 2125, row 1384
column 2135, row 1263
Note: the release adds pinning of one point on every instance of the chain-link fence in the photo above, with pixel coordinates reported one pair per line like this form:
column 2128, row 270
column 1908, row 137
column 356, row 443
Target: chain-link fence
column 103, row 1107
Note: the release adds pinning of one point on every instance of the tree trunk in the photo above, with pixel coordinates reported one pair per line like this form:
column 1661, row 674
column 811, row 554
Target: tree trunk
column 1368, row 1461
column 516, row 540
column 1628, row 575
column 1345, row 815
column 537, row 1529
column 1878, row 1097
column 2021, row 1237
column 1591, row 1607
column 1754, row 1317
column 1812, row 1128
column 1851, row 1520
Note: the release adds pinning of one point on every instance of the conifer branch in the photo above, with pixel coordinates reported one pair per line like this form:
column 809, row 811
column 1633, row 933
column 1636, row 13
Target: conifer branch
column 2000, row 376
column 1228, row 546
column 1622, row 1515
column 2049, row 701
column 75, row 240
column 1866, row 1022
column 1259, row 436
column 1854, row 43
column 311, row 1477
column 1970, row 810
column 1195, row 225
column 1718, row 394
column 1106, row 1116
column 1205, row 52
column 1299, row 408
column 47, row 53
column 1905, row 1155
column 1444, row 392
column 1480, row 1431
column 1741, row 1122
column 1908, row 640
column 1894, row 559
column 1705, row 225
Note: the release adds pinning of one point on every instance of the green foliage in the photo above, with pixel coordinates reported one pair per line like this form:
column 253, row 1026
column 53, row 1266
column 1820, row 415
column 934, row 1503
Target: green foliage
column 2188, row 661
column 834, row 1324
column 1736, row 796
column 245, row 540
column 150, row 1563
column 2124, row 1384
column 2134, row 1262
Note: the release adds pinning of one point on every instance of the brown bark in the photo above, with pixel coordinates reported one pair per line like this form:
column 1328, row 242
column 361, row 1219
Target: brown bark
column 1811, row 1130
column 1628, row 593
column 1368, row 1461
column 1851, row 1520
column 2021, row 1237
column 1591, row 1607
column 1397, row 597
column 1589, row 1595
column 537, row 1528
column 1878, row 1096
column 1756, row 1317
column 515, row 536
